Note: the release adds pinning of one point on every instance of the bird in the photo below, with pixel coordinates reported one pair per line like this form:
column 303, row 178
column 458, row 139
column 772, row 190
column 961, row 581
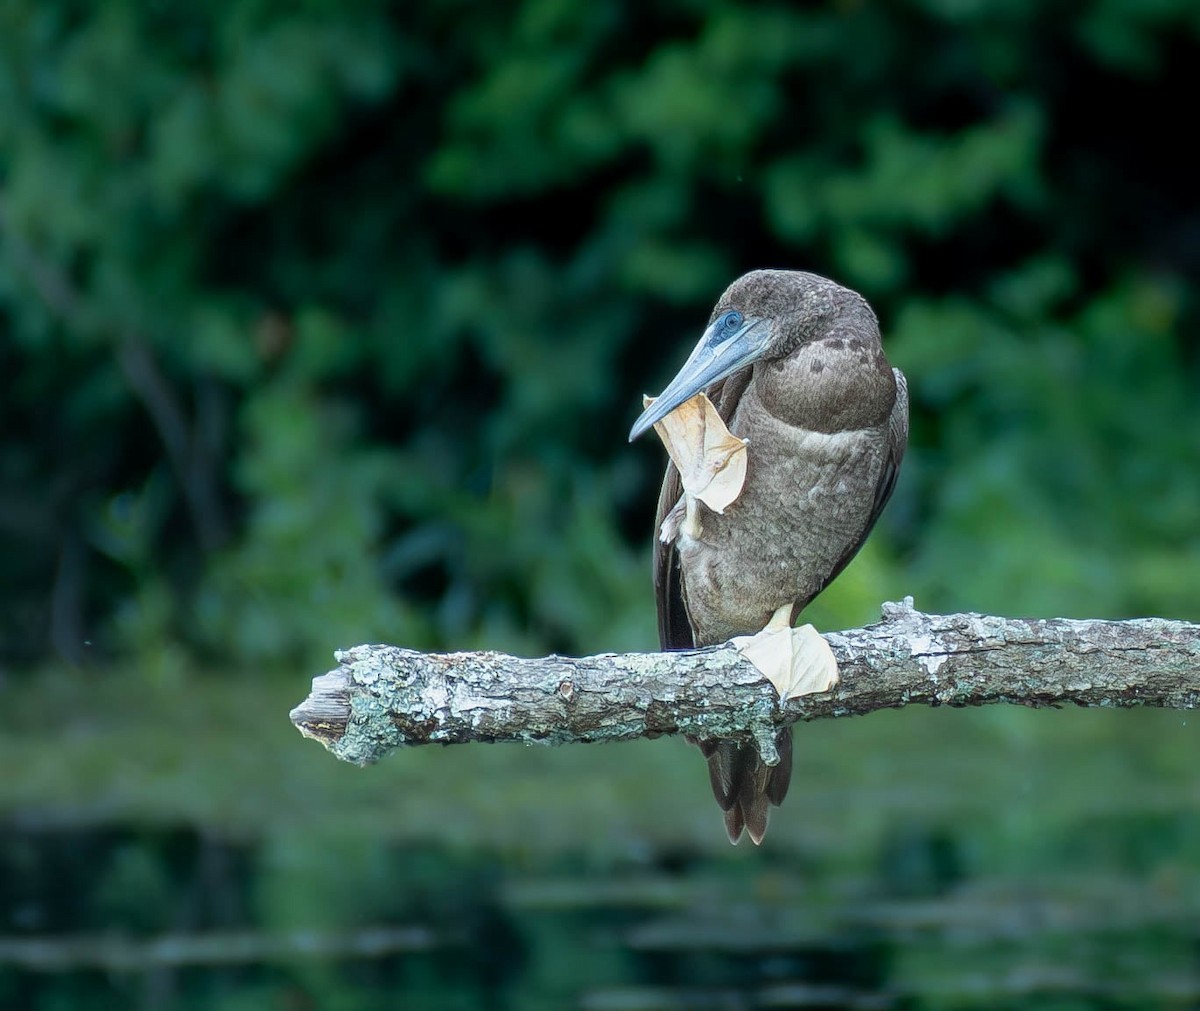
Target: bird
column 794, row 364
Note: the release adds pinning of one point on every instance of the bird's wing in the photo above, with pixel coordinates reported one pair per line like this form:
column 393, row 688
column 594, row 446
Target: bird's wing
column 674, row 629
column 897, row 442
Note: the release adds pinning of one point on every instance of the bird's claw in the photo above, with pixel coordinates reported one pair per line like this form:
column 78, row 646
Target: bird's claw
column 797, row 661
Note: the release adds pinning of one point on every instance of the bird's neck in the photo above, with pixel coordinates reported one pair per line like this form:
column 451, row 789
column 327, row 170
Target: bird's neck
column 838, row 383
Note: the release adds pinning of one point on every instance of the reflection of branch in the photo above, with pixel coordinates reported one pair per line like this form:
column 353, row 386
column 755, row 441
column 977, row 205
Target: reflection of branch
column 188, row 453
column 382, row 697
column 120, row 954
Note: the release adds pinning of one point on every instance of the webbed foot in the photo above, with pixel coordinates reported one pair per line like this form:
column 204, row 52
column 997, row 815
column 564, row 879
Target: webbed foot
column 797, row 661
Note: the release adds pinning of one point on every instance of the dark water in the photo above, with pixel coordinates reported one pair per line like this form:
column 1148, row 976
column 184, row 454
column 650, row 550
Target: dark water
column 120, row 918
column 988, row 859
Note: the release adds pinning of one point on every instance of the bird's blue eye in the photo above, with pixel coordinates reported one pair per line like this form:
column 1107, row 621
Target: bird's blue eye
column 732, row 320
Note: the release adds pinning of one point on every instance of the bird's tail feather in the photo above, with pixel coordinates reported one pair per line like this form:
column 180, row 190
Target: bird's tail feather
column 744, row 786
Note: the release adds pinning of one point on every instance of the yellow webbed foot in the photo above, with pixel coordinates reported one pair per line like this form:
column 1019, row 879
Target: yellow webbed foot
column 710, row 459
column 797, row 661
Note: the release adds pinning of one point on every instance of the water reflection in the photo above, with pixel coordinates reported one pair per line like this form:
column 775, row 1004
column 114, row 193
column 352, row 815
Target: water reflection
column 925, row 859
column 127, row 917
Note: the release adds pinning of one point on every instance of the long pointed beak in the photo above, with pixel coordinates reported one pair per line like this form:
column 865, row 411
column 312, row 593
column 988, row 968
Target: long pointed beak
column 718, row 354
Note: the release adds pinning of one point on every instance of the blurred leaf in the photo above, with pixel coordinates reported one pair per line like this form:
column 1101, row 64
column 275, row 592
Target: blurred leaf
column 401, row 276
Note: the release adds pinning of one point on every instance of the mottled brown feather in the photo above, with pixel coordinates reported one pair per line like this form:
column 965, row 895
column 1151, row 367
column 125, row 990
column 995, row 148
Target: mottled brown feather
column 897, row 443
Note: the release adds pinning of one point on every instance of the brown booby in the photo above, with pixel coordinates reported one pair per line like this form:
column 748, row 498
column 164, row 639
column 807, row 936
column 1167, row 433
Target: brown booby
column 794, row 365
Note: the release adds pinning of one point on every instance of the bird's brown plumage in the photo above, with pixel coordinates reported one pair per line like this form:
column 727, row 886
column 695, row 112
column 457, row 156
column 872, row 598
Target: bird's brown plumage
column 827, row 419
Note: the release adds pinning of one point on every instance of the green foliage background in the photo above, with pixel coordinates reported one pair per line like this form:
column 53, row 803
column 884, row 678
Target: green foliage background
column 324, row 323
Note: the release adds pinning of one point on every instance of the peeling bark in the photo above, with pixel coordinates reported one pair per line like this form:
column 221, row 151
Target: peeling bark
column 383, row 697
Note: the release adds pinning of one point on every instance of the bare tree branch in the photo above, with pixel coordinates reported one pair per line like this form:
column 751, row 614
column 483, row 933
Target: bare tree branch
column 383, row 697
column 188, row 447
column 186, row 452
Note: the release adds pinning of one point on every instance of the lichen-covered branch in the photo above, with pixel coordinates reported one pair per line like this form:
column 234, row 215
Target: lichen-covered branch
column 383, row 697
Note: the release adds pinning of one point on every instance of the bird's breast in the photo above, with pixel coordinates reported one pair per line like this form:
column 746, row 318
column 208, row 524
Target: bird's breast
column 807, row 499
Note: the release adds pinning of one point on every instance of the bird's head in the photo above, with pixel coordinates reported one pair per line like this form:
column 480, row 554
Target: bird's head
column 763, row 315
